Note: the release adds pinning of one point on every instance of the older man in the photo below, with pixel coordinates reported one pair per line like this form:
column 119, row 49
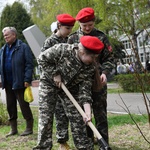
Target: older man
column 16, row 67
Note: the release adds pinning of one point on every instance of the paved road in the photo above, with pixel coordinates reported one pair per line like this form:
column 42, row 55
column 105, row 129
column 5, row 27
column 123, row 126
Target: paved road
column 121, row 103
column 134, row 101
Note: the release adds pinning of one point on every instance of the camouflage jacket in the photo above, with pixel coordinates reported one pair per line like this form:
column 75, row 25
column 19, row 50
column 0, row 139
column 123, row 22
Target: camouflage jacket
column 106, row 59
column 61, row 59
column 52, row 40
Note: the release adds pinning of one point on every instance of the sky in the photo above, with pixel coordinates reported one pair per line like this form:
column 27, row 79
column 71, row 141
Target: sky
column 4, row 2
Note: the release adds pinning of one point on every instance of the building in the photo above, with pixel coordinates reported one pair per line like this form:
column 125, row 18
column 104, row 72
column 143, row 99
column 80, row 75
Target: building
column 143, row 46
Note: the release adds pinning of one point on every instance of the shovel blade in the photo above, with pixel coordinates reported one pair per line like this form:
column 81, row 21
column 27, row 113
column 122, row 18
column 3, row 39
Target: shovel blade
column 104, row 145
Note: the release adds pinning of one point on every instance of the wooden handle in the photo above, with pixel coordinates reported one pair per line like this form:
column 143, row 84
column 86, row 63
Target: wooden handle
column 80, row 110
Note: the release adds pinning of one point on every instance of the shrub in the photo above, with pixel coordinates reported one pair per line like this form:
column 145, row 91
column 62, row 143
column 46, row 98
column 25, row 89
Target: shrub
column 3, row 114
column 134, row 82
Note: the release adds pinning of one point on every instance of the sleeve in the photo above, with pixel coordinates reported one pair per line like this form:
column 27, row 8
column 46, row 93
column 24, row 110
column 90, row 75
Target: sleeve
column 106, row 58
column 73, row 38
column 70, row 40
column 47, row 60
column 0, row 60
column 85, row 95
column 28, row 64
column 47, row 44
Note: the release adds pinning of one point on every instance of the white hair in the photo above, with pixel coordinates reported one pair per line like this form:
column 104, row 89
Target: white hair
column 12, row 29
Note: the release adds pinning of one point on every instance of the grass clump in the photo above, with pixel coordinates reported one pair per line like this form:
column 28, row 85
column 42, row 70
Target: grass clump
column 3, row 114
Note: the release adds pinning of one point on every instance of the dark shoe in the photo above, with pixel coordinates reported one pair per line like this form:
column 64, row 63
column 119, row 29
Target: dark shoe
column 27, row 132
column 13, row 125
column 29, row 128
column 11, row 133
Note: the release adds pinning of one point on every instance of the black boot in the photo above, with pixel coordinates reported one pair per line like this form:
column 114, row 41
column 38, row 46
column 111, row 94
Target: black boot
column 29, row 128
column 13, row 125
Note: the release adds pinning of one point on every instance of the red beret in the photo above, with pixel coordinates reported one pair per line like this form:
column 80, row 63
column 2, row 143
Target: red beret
column 92, row 44
column 85, row 15
column 66, row 19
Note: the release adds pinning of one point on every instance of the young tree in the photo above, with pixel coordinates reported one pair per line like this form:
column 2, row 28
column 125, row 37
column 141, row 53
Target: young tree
column 129, row 17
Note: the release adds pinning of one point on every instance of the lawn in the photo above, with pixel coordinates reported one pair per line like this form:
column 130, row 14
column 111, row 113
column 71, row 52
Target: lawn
column 123, row 133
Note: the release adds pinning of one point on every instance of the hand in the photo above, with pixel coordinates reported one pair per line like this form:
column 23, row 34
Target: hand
column 57, row 80
column 103, row 79
column 88, row 118
column 87, row 109
column 26, row 84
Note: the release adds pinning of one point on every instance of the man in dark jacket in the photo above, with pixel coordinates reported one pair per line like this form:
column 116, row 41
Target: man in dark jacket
column 16, row 67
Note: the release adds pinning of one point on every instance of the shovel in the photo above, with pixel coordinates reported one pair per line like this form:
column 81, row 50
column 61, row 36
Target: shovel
column 101, row 141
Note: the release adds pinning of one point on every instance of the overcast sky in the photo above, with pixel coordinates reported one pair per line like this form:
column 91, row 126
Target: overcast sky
column 4, row 2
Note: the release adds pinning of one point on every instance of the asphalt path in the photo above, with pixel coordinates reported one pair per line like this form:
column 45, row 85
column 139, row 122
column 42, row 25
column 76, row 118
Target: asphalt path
column 116, row 103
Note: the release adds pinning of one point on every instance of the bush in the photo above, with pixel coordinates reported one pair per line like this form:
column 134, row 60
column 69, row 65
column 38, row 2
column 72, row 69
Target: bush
column 134, row 82
column 3, row 114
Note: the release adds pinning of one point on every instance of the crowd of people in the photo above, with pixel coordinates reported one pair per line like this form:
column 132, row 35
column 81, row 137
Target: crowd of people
column 80, row 60
column 132, row 68
column 125, row 68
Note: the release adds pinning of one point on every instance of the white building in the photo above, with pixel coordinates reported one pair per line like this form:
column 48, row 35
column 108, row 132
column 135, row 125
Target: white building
column 143, row 43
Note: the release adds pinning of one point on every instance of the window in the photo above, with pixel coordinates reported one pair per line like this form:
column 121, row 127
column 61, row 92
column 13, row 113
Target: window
column 127, row 44
column 140, row 41
column 147, row 42
column 142, row 59
column 147, row 56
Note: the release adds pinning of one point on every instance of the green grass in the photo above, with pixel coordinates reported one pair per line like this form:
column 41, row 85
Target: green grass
column 3, row 114
column 120, row 120
column 122, row 131
column 116, row 90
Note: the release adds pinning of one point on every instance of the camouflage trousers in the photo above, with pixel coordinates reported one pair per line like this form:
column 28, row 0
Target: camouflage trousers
column 77, row 125
column 62, row 123
column 100, row 112
column 47, row 103
column 100, row 116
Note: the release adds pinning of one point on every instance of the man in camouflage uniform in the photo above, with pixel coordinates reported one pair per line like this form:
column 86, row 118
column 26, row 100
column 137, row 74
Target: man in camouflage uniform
column 86, row 19
column 65, row 23
column 73, row 66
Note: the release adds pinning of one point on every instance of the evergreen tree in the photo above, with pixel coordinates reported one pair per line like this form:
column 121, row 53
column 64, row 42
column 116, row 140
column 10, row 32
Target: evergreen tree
column 16, row 16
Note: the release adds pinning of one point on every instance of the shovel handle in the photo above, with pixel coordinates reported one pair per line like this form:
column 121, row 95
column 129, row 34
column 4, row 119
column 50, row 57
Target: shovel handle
column 80, row 110
column 93, row 128
column 78, row 107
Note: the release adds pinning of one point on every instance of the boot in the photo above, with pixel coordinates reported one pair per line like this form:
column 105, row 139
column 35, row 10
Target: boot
column 13, row 125
column 29, row 128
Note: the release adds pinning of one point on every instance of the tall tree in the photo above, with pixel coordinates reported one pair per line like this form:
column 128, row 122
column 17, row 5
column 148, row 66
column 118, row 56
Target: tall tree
column 45, row 12
column 16, row 15
column 129, row 17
